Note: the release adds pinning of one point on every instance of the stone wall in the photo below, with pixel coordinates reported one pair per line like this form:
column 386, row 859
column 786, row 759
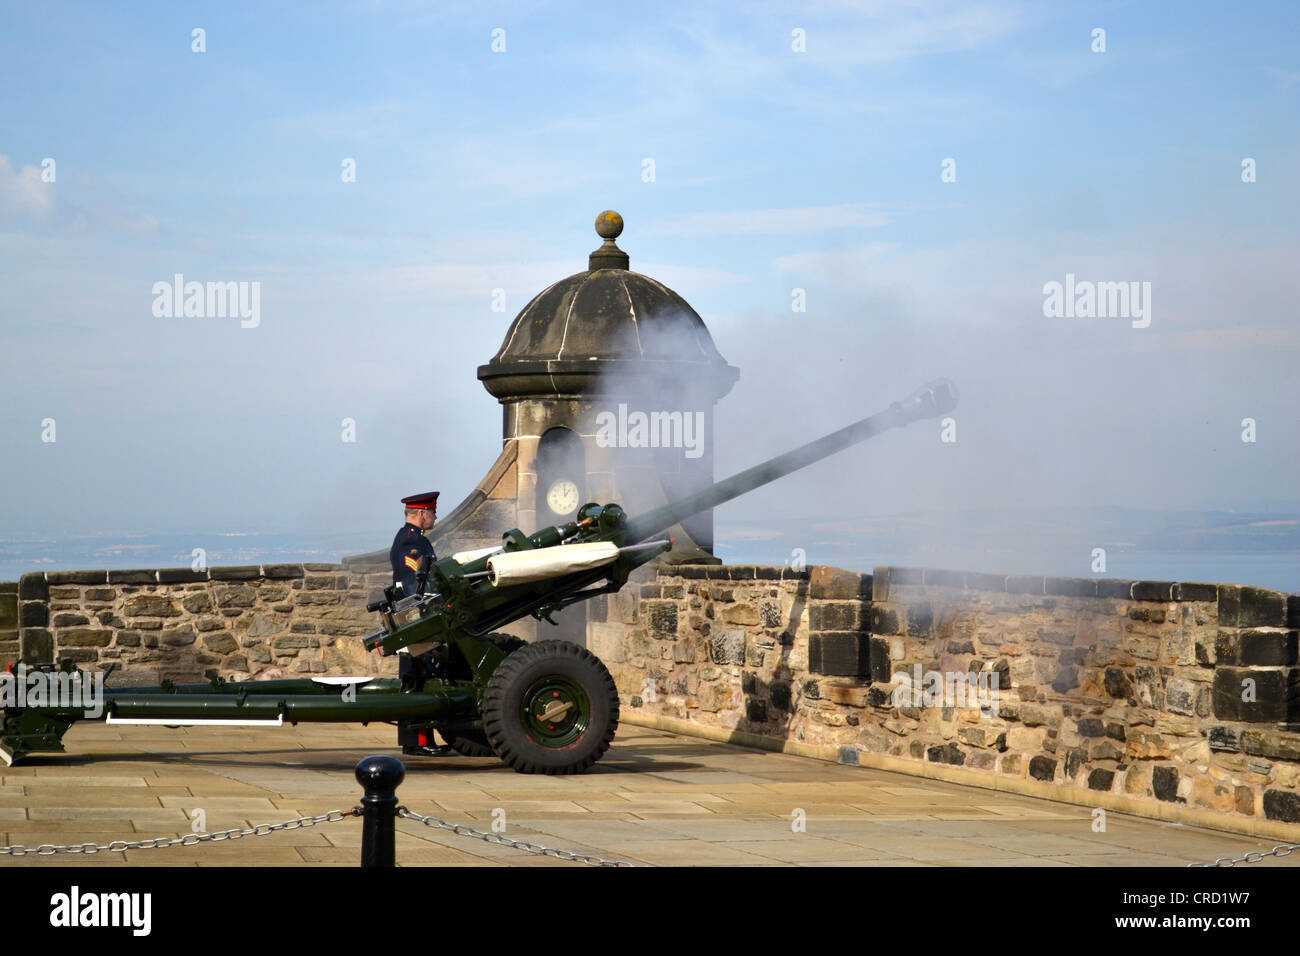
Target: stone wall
column 259, row 621
column 1174, row 700
column 1168, row 699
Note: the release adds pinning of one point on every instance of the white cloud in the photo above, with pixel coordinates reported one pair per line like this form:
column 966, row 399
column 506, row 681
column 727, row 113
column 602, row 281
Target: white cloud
column 22, row 194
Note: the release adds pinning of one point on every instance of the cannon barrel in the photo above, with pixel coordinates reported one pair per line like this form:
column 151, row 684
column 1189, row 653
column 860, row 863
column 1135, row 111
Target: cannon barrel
column 936, row 398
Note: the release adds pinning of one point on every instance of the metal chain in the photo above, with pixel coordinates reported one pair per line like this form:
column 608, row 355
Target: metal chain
column 1254, row 856
column 462, row 830
column 190, row 839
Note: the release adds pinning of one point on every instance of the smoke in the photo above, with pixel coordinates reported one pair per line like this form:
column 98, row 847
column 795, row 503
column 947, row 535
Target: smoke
column 1072, row 434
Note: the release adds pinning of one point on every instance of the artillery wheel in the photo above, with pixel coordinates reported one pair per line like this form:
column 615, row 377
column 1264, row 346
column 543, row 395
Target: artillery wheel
column 550, row 707
column 474, row 743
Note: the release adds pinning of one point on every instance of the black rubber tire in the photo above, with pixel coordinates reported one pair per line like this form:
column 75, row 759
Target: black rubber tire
column 475, row 743
column 471, row 743
column 503, row 704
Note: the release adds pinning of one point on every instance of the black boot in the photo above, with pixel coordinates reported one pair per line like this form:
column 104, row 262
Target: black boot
column 414, row 750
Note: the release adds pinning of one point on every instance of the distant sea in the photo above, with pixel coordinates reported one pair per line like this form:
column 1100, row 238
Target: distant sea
column 1261, row 549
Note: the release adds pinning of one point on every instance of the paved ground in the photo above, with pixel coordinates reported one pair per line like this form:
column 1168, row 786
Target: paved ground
column 655, row 799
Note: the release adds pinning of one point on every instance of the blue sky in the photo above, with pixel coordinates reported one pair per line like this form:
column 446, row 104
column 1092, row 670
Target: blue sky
column 774, row 170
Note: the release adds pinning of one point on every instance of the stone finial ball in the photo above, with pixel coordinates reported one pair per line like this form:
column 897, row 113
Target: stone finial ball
column 609, row 224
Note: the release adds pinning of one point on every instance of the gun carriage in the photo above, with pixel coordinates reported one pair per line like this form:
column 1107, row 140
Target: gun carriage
column 545, row 707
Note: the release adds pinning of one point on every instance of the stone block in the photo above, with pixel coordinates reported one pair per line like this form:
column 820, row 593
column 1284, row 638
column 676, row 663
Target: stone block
column 745, row 614
column 1117, row 683
column 1067, row 678
column 200, row 602
column 848, row 695
column 661, row 617
column 779, row 695
column 1115, row 588
column 246, row 572
column 77, row 577
column 920, row 620
column 727, row 646
column 1277, row 745
column 1184, row 591
column 282, row 571
column 1143, row 745
column 1152, row 591
column 132, row 577
column 1228, row 738
column 1090, row 727
column 1256, row 694
column 179, row 636
column 33, row 614
column 606, row 642
column 180, row 575
column 36, row 643
column 1042, row 768
column 880, row 660
column 1282, row 805
column 884, row 620
column 839, row 654
column 1070, row 587
column 33, row 587
column 1259, row 647
column 150, row 605
column 1164, row 784
column 1026, row 738
column 9, row 611
column 85, row 637
column 229, row 596
column 262, row 626
column 835, row 584
column 220, row 643
column 1101, row 780
column 1180, row 696
column 834, row 616
column 948, row 753
column 1251, row 607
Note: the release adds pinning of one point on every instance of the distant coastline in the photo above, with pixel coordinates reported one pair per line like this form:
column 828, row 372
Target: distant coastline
column 1260, row 549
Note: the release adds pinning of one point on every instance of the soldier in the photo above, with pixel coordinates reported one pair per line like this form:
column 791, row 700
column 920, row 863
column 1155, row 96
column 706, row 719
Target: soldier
column 410, row 548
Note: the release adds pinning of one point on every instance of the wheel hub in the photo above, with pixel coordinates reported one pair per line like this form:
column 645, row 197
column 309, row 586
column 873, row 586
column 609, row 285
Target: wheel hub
column 556, row 712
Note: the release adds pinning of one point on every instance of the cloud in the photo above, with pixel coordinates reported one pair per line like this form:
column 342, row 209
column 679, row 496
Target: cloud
column 28, row 201
column 24, row 195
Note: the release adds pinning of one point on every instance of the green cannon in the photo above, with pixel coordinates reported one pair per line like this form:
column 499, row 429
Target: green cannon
column 541, row 707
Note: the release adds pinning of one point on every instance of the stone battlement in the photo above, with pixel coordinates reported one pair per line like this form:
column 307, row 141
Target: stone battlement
column 1128, row 694
column 236, row 622
column 1170, row 699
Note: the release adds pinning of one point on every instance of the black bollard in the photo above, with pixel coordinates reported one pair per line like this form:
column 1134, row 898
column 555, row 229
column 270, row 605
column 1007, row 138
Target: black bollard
column 380, row 776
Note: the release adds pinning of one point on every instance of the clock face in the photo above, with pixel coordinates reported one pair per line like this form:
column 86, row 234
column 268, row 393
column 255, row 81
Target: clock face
column 562, row 497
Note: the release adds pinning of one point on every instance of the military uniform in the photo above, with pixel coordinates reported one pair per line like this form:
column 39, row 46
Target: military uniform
column 410, row 548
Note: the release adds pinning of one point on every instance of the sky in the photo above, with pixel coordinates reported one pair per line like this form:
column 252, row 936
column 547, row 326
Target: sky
column 920, row 170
